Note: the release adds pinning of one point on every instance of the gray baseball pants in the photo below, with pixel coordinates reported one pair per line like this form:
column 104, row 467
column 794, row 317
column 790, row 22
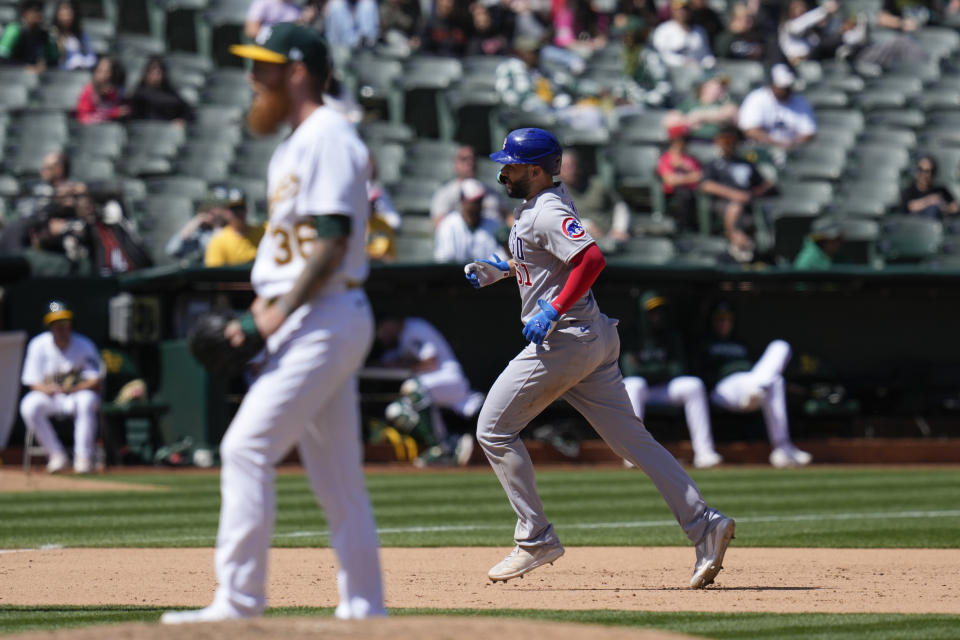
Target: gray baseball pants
column 582, row 368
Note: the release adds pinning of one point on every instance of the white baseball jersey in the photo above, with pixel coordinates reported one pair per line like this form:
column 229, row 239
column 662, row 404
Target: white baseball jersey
column 45, row 363
column 321, row 169
column 456, row 242
column 547, row 234
column 783, row 121
column 421, row 340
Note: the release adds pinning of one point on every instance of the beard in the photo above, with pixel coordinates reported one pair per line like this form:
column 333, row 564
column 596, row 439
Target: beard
column 518, row 189
column 269, row 109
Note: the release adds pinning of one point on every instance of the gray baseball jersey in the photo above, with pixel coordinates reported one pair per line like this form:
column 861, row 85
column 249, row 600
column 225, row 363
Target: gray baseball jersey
column 579, row 362
column 547, row 234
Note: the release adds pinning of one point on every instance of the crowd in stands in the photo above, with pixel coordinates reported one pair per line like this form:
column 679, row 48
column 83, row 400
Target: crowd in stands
column 724, row 102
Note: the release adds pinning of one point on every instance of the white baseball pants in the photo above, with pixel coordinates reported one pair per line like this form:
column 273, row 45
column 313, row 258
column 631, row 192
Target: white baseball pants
column 305, row 395
column 448, row 388
column 37, row 408
column 582, row 368
column 764, row 380
column 688, row 391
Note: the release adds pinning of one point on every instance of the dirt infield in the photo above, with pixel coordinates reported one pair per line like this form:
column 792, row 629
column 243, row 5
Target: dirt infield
column 620, row 578
column 412, row 628
column 16, row 481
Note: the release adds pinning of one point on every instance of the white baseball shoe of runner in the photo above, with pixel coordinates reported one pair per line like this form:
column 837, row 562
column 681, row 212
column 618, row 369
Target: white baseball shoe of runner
column 707, row 459
column 57, row 462
column 522, row 560
column 789, row 456
column 710, row 552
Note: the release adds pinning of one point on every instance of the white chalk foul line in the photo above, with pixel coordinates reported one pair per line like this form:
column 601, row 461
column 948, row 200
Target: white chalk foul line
column 641, row 524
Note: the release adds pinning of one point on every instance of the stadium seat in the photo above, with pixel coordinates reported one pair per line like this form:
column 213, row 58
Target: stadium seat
column 888, row 135
column 903, row 118
column 473, row 114
column 845, row 119
column 9, row 186
column 106, row 139
column 860, row 239
column 56, row 97
column 208, row 169
column 909, row 239
column 413, row 197
column 645, row 127
column 645, row 251
column 13, row 96
column 91, row 168
column 414, row 249
column 389, row 157
column 177, row 186
column 374, row 82
column 378, row 131
column 158, row 218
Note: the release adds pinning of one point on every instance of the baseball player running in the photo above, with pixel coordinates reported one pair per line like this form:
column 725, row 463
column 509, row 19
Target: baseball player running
column 572, row 353
column 318, row 327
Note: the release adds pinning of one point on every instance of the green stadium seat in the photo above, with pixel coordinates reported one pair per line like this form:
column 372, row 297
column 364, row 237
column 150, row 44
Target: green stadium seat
column 18, row 76
column 106, row 139
column 826, row 98
column 389, row 158
column 881, row 99
column 938, row 100
column 91, row 168
column 645, row 127
column 158, row 218
column 379, row 131
column 860, row 240
column 226, row 95
column 886, row 135
column 902, row 118
column 375, row 83
column 178, row 186
column 413, row 197
column 56, row 97
column 208, row 169
column 13, row 96
column 645, row 251
column 473, row 116
column 414, row 249
column 9, row 186
column 845, row 119
column 909, row 239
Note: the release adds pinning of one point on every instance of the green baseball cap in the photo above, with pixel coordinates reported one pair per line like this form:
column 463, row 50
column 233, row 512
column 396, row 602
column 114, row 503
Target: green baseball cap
column 288, row 42
column 225, row 196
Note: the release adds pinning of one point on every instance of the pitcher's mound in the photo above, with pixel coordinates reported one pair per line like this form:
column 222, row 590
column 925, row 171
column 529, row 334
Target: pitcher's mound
column 401, row 628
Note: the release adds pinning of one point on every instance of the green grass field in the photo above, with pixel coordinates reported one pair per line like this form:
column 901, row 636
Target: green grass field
column 817, row 507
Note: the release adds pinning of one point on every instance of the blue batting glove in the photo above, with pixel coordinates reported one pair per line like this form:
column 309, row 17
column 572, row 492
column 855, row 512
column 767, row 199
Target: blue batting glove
column 541, row 324
column 503, row 265
column 473, row 280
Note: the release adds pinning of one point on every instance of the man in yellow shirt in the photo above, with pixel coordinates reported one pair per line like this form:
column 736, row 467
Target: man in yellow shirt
column 236, row 242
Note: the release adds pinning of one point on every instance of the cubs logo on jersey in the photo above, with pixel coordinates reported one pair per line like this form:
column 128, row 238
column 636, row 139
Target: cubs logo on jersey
column 572, row 228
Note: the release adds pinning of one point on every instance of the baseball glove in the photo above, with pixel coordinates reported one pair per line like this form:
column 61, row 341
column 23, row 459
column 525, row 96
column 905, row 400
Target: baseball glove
column 212, row 349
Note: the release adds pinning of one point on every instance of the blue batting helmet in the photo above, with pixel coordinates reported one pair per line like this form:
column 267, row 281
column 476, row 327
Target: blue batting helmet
column 531, row 146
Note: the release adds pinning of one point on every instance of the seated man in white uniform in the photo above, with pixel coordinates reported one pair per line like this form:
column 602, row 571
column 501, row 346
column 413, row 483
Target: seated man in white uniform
column 465, row 234
column 62, row 370
column 438, row 382
column 743, row 386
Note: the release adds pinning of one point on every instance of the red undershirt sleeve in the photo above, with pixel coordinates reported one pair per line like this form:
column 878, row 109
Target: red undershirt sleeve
column 587, row 265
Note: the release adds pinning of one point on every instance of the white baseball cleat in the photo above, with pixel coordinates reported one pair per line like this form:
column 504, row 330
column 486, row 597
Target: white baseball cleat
column 57, row 462
column 464, row 450
column 83, row 465
column 789, row 456
column 213, row 613
column 522, row 560
column 707, row 459
column 710, row 552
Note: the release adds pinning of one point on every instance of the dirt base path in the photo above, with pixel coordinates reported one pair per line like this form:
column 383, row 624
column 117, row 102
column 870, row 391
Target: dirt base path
column 634, row 578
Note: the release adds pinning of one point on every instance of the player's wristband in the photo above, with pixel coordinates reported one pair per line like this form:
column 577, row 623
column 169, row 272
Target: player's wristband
column 248, row 324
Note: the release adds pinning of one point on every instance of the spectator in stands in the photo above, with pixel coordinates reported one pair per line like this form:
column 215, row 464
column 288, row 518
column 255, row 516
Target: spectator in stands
column 76, row 52
column 487, row 37
column 818, row 33
column 447, row 197
column 155, row 98
column 580, row 26
column 236, row 241
column 54, row 170
column 701, row 15
column 777, row 116
column 657, row 372
column 110, row 243
column 349, row 24
column 910, row 15
column 464, row 235
column 445, row 33
column 400, row 20
column 646, row 75
column 102, row 99
column 681, row 43
column 742, row 39
column 27, row 42
column 190, row 242
column 384, row 221
column 263, row 13
column 706, row 111
column 820, row 246
column 734, row 182
column 741, row 384
column 923, row 197
column 62, row 369
column 681, row 174
column 523, row 84
column 602, row 210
